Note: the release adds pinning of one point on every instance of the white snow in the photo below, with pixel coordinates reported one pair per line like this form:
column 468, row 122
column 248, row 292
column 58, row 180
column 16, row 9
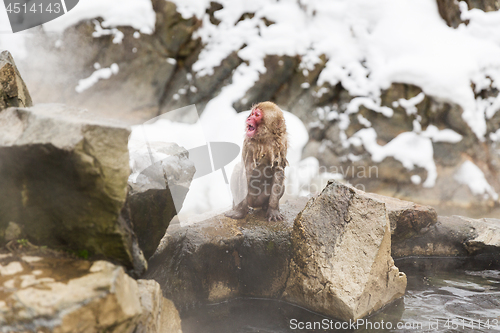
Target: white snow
column 410, row 148
column 445, row 135
column 495, row 136
column 469, row 174
column 371, row 104
column 138, row 14
column 99, row 74
column 99, row 32
column 15, row 43
column 415, row 179
column 363, row 121
column 369, row 44
column 410, row 104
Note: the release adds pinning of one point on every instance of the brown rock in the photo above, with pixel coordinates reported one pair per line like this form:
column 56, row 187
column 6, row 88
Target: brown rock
column 453, row 236
column 341, row 255
column 406, row 218
column 221, row 258
column 13, row 90
column 63, row 180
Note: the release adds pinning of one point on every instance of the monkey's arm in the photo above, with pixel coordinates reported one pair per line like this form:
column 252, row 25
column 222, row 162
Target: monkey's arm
column 277, row 190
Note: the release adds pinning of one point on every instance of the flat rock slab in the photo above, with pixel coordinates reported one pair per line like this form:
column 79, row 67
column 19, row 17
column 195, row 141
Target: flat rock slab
column 60, row 294
column 63, row 181
column 341, row 255
column 453, row 236
column 221, row 258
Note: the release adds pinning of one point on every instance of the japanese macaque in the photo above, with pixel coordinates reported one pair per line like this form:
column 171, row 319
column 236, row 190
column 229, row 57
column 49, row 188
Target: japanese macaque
column 258, row 180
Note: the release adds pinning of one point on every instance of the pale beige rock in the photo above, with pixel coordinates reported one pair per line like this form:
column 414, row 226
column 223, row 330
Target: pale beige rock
column 101, row 298
column 11, row 269
column 159, row 313
column 487, row 235
column 341, row 255
column 13, row 90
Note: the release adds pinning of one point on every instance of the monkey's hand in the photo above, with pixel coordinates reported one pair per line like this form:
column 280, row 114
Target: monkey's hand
column 236, row 214
column 274, row 215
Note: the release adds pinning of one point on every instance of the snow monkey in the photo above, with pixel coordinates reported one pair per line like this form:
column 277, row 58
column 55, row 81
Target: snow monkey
column 258, row 180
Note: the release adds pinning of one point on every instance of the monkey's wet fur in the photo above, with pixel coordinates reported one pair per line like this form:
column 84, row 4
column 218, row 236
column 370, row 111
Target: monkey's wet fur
column 258, row 180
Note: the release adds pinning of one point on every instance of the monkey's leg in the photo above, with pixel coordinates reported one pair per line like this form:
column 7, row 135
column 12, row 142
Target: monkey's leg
column 277, row 190
column 239, row 190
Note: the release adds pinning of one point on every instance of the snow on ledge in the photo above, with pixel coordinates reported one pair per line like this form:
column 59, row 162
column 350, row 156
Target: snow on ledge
column 469, row 174
column 445, row 135
column 99, row 74
column 138, row 14
column 409, row 148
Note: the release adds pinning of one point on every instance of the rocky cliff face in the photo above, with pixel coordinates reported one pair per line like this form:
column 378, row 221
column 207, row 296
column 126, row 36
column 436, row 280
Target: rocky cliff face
column 401, row 139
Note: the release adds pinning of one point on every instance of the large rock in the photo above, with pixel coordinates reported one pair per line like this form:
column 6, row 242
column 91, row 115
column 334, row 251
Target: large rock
column 221, row 258
column 58, row 294
column 63, row 180
column 320, row 261
column 157, row 190
column 341, row 255
column 13, row 91
column 406, row 218
column 158, row 313
column 453, row 236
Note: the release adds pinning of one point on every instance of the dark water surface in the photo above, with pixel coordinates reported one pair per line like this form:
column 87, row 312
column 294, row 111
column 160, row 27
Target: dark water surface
column 443, row 295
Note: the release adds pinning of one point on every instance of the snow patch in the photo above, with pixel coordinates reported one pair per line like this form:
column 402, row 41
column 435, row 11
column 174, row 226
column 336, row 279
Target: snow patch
column 410, row 105
column 365, row 52
column 445, row 135
column 495, row 136
column 410, row 148
column 371, row 104
column 469, row 174
column 415, row 179
column 99, row 74
column 138, row 14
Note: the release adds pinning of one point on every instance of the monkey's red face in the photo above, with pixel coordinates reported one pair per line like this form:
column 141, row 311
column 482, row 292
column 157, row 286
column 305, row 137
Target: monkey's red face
column 253, row 122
